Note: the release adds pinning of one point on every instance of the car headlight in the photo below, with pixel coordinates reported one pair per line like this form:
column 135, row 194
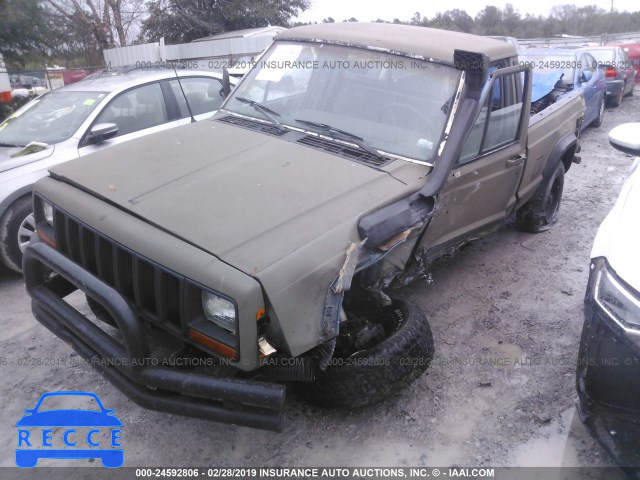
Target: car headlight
column 616, row 299
column 47, row 211
column 219, row 310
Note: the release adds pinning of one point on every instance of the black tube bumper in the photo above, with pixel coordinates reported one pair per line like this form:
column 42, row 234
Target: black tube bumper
column 608, row 384
column 126, row 365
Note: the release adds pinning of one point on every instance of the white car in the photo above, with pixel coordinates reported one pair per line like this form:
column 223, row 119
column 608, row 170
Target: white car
column 608, row 370
column 102, row 110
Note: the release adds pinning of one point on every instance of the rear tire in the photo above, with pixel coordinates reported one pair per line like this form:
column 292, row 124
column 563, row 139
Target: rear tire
column 370, row 376
column 541, row 212
column 598, row 121
column 16, row 226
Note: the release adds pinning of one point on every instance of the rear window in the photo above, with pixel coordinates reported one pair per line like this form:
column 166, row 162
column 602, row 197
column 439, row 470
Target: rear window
column 604, row 57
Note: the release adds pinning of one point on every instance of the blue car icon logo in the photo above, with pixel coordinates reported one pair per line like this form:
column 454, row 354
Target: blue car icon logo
column 85, row 432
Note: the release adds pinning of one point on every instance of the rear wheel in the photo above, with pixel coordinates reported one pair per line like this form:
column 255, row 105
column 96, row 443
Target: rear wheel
column 379, row 351
column 598, row 121
column 16, row 226
column 541, row 212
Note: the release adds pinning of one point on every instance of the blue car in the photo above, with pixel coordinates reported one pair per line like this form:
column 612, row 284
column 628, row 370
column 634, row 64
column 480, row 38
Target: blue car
column 569, row 69
column 28, row 457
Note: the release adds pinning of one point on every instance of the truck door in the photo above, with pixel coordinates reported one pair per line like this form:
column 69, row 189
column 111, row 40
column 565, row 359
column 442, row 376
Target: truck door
column 481, row 189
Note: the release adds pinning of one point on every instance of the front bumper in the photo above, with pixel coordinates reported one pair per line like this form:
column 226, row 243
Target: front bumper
column 608, row 384
column 126, row 364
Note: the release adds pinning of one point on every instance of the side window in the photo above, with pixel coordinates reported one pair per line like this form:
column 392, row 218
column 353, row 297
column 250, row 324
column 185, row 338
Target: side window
column 136, row 109
column 498, row 121
column 203, row 94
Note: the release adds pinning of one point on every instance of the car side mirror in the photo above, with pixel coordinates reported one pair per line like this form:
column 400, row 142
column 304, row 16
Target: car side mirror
column 102, row 131
column 626, row 138
column 587, row 75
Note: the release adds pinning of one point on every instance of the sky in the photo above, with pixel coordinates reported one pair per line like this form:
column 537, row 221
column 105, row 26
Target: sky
column 367, row 10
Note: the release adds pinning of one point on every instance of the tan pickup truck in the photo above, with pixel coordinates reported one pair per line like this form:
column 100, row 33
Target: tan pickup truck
column 260, row 248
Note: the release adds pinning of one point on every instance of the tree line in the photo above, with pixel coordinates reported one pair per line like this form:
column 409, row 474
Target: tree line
column 74, row 32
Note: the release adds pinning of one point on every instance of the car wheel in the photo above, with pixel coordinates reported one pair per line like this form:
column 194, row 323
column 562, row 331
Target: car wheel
column 16, row 226
column 376, row 372
column 541, row 212
column 598, row 121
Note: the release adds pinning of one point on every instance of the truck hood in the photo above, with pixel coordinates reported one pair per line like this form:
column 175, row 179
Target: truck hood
column 12, row 157
column 619, row 234
column 249, row 198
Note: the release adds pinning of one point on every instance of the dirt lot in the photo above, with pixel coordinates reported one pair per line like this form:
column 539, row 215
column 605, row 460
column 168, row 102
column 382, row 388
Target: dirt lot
column 506, row 314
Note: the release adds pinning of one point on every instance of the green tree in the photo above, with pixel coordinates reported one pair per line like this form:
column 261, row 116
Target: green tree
column 23, row 30
column 180, row 21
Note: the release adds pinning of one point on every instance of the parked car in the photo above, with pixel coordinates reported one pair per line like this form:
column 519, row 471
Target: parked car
column 558, row 70
column 633, row 52
column 609, row 360
column 271, row 245
column 618, row 71
column 107, row 109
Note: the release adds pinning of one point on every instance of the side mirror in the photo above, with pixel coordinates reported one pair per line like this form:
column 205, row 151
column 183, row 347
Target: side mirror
column 102, row 131
column 587, row 75
column 626, row 138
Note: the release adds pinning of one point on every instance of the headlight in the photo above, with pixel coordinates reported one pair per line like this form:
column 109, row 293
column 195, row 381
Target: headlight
column 617, row 300
column 219, row 310
column 47, row 211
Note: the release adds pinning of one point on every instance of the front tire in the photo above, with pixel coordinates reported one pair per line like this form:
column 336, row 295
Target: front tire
column 369, row 376
column 541, row 212
column 16, row 226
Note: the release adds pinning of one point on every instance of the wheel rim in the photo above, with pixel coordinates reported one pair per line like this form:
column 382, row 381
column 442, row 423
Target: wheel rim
column 553, row 202
column 27, row 227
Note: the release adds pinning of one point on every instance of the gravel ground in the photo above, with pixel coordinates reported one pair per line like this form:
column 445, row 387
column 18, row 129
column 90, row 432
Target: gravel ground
column 506, row 313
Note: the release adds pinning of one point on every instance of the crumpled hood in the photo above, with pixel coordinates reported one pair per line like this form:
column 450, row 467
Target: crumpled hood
column 249, row 198
column 619, row 234
column 10, row 156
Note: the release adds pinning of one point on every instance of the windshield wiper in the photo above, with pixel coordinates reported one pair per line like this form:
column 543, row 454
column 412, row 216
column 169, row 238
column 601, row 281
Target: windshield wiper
column 266, row 111
column 9, row 145
column 343, row 135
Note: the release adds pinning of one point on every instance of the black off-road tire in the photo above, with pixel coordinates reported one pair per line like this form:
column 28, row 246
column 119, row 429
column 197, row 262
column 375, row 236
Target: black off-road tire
column 100, row 312
column 370, row 376
column 541, row 212
column 10, row 223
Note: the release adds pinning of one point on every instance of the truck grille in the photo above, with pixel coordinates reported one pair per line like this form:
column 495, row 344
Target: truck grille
column 156, row 291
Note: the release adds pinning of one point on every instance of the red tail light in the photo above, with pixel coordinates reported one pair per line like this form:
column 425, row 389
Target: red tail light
column 611, row 72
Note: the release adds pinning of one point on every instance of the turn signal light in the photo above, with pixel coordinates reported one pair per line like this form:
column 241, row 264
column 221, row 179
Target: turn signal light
column 214, row 345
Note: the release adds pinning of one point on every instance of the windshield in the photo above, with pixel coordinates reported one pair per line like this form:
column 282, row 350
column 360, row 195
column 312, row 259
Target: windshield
column 386, row 102
column 50, row 119
column 546, row 63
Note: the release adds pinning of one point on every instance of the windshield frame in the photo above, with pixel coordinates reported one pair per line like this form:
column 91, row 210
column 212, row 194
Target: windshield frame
column 443, row 127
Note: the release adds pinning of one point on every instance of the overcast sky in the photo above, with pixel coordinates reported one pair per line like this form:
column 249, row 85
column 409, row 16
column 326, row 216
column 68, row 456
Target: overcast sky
column 367, row 10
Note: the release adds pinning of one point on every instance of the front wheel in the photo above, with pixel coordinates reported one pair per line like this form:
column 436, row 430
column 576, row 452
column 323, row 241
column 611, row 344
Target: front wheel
column 16, row 226
column 401, row 353
column 541, row 212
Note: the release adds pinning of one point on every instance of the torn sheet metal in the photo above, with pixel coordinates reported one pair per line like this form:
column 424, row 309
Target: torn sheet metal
column 348, row 268
column 543, row 83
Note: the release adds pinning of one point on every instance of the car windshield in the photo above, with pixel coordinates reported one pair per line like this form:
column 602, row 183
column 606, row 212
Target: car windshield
column 387, row 102
column 545, row 63
column 50, row 119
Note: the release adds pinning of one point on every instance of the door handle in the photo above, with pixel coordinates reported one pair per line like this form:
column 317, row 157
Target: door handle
column 515, row 161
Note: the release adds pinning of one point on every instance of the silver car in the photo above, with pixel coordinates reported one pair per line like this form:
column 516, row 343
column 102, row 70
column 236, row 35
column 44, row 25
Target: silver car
column 103, row 110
